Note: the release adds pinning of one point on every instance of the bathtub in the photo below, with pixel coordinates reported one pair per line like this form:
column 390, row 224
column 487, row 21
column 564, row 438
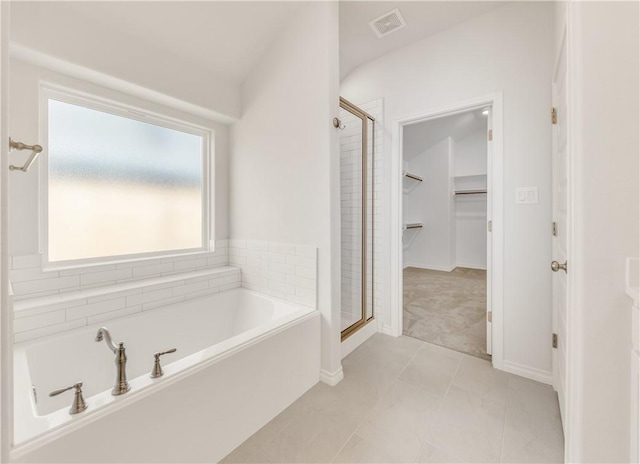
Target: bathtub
column 241, row 358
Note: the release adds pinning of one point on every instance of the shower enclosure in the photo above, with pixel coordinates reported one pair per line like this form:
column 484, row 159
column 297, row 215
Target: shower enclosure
column 357, row 215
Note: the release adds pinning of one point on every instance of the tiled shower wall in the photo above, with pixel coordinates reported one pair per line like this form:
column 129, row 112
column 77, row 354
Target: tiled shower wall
column 351, row 194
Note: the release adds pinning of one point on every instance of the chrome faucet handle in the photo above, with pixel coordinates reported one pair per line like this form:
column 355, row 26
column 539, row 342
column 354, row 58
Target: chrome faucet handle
column 79, row 404
column 157, row 368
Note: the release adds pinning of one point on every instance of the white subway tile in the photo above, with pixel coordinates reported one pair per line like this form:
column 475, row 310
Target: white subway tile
column 273, row 257
column 36, row 310
column 190, row 265
column 258, row 245
column 201, row 293
column 224, row 288
column 301, row 261
column 111, row 296
column 86, row 269
column 161, row 303
column 31, row 273
column 237, row 243
column 106, row 276
column 301, row 282
column 190, row 288
column 308, row 273
column 152, row 269
column 45, row 285
column 283, row 268
column 49, row 330
column 218, row 260
column 95, row 308
column 149, row 296
column 114, row 314
column 170, row 284
column 282, row 248
column 36, row 322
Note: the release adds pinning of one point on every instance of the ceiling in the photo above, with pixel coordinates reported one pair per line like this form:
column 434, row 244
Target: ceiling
column 419, row 137
column 224, row 38
column 359, row 45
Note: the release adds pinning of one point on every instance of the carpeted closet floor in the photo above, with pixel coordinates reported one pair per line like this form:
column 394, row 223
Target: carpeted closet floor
column 447, row 308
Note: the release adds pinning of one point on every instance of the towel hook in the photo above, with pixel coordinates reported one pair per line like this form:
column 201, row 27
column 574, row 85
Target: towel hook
column 35, row 151
column 338, row 124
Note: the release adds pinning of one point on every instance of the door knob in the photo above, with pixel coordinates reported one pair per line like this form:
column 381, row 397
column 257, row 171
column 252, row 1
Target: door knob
column 556, row 266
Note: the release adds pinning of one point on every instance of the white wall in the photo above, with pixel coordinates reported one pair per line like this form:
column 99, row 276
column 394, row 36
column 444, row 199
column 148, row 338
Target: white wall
column 24, row 121
column 605, row 37
column 471, row 155
column 508, row 49
column 430, row 203
column 285, row 167
column 470, row 159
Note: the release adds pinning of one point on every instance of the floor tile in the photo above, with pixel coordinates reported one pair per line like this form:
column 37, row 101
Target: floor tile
column 403, row 400
column 400, row 421
column 469, row 427
column 480, row 378
column 358, row 450
column 431, row 454
column 533, row 428
column 432, row 369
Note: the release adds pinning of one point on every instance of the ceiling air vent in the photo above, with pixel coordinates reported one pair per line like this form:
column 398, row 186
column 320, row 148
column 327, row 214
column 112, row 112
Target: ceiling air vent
column 388, row 23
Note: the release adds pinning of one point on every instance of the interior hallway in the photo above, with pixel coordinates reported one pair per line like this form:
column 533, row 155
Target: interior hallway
column 447, row 308
column 403, row 400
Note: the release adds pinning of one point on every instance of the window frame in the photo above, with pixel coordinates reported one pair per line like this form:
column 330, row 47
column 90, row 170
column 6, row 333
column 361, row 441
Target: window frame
column 50, row 91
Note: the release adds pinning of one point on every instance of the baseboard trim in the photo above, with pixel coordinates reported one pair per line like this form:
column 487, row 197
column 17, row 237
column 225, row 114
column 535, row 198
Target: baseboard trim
column 429, row 267
column 472, row 266
column 331, row 378
column 386, row 329
column 527, row 372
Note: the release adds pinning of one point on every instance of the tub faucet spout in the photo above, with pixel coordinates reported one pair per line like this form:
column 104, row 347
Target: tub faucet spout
column 122, row 386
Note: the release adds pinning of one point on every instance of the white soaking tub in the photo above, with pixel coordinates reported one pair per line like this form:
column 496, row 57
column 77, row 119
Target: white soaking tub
column 241, row 358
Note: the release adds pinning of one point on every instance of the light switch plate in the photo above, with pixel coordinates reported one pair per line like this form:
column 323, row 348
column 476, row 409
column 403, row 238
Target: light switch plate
column 526, row 195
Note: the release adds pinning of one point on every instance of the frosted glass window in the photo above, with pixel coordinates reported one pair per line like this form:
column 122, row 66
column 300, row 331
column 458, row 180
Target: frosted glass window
column 118, row 186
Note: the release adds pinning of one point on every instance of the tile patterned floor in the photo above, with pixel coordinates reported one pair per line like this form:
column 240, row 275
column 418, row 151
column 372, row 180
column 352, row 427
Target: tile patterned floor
column 403, row 400
column 447, row 308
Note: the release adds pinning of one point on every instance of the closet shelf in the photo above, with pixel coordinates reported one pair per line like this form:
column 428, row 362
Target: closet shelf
column 409, row 181
column 408, row 175
column 415, row 225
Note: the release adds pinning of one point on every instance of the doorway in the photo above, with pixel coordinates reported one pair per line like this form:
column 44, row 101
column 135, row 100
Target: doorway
column 473, row 196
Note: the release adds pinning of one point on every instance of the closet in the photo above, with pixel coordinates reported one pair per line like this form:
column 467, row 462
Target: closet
column 445, row 197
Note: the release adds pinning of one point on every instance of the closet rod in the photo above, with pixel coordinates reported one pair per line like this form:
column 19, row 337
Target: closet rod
column 413, row 176
column 469, row 192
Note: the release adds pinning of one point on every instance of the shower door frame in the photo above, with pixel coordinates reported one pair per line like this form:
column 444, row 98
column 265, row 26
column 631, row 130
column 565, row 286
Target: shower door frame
column 365, row 118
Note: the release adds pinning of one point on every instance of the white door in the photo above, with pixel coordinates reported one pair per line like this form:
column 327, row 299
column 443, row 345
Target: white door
column 560, row 228
column 489, row 235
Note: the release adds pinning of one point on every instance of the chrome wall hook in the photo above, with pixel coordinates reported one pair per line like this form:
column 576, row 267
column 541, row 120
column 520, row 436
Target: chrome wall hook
column 35, row 151
column 338, row 124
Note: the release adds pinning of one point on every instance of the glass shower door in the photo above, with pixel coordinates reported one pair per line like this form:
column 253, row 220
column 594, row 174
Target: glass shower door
column 357, row 214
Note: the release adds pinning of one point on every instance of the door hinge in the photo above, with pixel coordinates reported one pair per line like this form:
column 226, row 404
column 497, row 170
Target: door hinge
column 554, row 340
column 490, row 226
column 489, row 316
column 490, row 135
column 554, row 116
column 554, row 228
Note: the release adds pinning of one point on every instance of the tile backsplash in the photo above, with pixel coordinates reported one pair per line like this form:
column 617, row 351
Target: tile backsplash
column 49, row 302
column 281, row 270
